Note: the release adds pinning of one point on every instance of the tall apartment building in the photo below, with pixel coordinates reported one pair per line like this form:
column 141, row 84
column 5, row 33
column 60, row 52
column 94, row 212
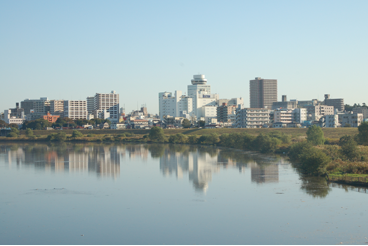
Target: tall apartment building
column 37, row 106
column 252, row 117
column 174, row 105
column 262, row 92
column 337, row 103
column 105, row 104
column 90, row 104
column 57, row 107
column 75, row 109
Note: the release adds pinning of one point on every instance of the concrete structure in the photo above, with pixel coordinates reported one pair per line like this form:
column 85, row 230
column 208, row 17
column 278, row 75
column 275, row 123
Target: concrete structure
column 224, row 111
column 12, row 119
column 361, row 110
column 75, row 109
column 17, row 112
column 37, row 106
column 57, row 107
column 51, row 118
column 139, row 124
column 337, row 103
column 118, row 126
column 91, row 105
column 108, row 102
column 252, row 117
column 300, row 115
column 176, row 105
column 262, row 92
column 201, row 95
column 284, row 104
column 284, row 116
column 307, row 103
column 353, row 119
column 331, row 121
column 316, row 112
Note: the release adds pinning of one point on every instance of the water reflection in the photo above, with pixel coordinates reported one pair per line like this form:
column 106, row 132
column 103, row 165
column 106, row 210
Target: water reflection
column 195, row 163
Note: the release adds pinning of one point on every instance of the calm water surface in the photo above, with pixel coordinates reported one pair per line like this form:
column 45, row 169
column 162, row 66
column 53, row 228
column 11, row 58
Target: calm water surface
column 162, row 194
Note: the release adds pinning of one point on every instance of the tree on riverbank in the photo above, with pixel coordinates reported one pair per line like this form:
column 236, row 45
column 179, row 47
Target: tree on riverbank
column 315, row 135
column 363, row 133
column 157, row 134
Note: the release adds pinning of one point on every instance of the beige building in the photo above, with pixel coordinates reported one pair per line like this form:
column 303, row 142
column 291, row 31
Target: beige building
column 337, row 103
column 105, row 104
column 75, row 109
column 57, row 107
column 224, row 111
column 284, row 104
column 353, row 119
column 262, row 92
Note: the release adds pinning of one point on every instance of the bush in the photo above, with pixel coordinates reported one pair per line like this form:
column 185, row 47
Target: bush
column 12, row 135
column 363, row 133
column 77, row 134
column 315, row 135
column 265, row 143
column 90, row 135
column 29, row 132
column 178, row 138
column 59, row 137
column 349, row 148
column 210, row 139
column 157, row 134
column 192, row 139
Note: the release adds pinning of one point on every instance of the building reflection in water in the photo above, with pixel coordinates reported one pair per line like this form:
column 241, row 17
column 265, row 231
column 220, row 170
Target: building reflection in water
column 200, row 163
column 104, row 160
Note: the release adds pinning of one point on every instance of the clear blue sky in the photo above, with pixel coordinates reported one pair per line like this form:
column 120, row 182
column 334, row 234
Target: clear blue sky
column 73, row 49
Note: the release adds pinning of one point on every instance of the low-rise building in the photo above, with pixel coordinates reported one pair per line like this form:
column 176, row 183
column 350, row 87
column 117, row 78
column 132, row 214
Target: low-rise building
column 139, row 124
column 51, row 118
column 353, row 119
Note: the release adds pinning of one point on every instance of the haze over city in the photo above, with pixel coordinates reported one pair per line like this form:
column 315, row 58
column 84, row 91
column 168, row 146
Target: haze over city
column 71, row 50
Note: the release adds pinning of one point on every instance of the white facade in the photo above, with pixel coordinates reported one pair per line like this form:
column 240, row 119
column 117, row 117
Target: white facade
column 283, row 116
column 331, row 121
column 353, row 119
column 75, row 109
column 12, row 119
column 300, row 115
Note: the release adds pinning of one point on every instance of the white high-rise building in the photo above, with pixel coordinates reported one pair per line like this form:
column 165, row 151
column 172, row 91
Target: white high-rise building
column 199, row 102
column 75, row 109
column 105, row 105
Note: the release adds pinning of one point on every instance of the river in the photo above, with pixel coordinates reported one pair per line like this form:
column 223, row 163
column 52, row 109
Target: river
column 169, row 194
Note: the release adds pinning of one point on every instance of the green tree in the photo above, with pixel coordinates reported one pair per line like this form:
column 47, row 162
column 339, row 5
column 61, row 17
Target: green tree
column 60, row 136
column 363, row 133
column 315, row 135
column 157, row 134
column 349, row 147
column 201, row 123
column 29, row 132
column 77, row 134
column 185, row 123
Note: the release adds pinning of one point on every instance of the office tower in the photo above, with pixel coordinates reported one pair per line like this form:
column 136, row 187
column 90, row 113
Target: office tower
column 262, row 92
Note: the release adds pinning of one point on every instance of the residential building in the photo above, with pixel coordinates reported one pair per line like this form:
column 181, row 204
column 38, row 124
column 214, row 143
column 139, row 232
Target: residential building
column 91, row 105
column 252, row 117
column 38, row 107
column 331, row 121
column 75, row 109
column 300, row 115
column 306, row 103
column 105, row 103
column 361, row 110
column 17, row 112
column 353, row 119
column 224, row 111
column 57, row 107
column 139, row 124
column 284, row 116
column 314, row 113
column 337, row 103
column 262, row 92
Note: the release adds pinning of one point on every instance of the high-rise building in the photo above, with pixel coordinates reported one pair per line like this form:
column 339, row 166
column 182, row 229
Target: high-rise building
column 262, row 92
column 75, row 109
column 57, row 107
column 107, row 103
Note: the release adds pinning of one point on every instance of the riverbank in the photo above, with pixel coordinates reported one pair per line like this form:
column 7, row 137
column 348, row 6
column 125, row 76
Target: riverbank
column 335, row 165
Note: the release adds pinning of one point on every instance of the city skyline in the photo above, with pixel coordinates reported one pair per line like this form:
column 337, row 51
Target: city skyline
column 69, row 50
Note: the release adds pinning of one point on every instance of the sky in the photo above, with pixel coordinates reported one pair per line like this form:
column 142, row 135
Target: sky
column 73, row 49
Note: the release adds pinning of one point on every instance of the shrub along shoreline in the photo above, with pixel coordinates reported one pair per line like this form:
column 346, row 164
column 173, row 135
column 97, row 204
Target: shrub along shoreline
column 342, row 161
